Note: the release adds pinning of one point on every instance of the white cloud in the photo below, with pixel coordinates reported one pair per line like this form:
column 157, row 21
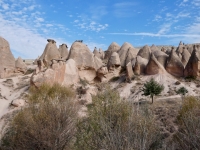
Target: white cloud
column 5, row 6
column 124, row 9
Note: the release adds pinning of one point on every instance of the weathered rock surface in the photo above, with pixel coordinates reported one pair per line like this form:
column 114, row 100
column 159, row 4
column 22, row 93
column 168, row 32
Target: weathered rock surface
column 20, row 65
column 129, row 71
column 7, row 60
column 145, row 52
column 114, row 61
column 174, row 65
column 183, row 54
column 63, row 49
column 161, row 57
column 154, row 67
column 50, row 52
column 154, row 48
column 193, row 66
column 85, row 60
column 140, row 65
column 59, row 72
column 126, row 53
column 18, row 103
column 114, row 47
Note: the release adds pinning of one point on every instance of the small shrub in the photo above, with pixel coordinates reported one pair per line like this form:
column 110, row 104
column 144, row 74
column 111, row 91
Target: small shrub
column 113, row 124
column 188, row 120
column 48, row 122
column 83, row 82
column 113, row 79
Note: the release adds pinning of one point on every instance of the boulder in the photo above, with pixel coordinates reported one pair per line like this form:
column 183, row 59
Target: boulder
column 18, row 103
column 193, row 66
column 7, row 60
column 63, row 49
column 174, row 66
column 20, row 65
column 145, row 52
column 154, row 67
column 50, row 52
column 114, row 47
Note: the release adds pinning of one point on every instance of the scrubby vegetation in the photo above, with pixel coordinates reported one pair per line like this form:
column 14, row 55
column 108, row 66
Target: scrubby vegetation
column 51, row 121
column 48, row 122
column 115, row 124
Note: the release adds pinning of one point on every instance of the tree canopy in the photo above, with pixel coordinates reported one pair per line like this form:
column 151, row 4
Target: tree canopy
column 152, row 88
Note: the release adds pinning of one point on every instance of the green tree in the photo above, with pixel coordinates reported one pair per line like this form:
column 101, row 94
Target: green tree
column 152, row 88
column 182, row 91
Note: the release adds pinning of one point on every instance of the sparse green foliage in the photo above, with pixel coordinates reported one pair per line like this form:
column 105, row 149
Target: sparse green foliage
column 47, row 123
column 152, row 88
column 113, row 124
column 182, row 91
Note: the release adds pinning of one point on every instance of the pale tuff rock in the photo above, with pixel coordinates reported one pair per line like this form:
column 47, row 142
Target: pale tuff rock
column 18, row 103
column 114, row 47
column 161, row 57
column 154, row 67
column 145, row 52
column 183, row 54
column 20, row 65
column 140, row 65
column 126, row 53
column 114, row 61
column 129, row 71
column 154, row 48
column 50, row 52
column 63, row 49
column 59, row 72
column 193, row 66
column 174, row 65
column 100, row 54
column 7, row 60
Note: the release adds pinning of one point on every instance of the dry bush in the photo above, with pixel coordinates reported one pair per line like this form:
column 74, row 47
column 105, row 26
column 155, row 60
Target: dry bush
column 48, row 123
column 113, row 124
column 188, row 135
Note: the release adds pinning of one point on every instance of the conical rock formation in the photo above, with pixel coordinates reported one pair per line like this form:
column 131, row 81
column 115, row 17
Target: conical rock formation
column 7, row 60
column 63, row 49
column 114, row 47
column 20, row 65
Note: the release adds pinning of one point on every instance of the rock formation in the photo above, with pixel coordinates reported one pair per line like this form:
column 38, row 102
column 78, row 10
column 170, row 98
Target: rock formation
column 129, row 72
column 127, row 53
column 184, row 54
column 174, row 65
column 99, row 54
column 85, row 60
column 140, row 65
column 20, row 65
column 7, row 60
column 50, row 52
column 114, row 47
column 154, row 48
column 145, row 52
column 63, row 49
column 154, row 67
column 59, row 72
column 161, row 57
column 114, row 61
column 193, row 66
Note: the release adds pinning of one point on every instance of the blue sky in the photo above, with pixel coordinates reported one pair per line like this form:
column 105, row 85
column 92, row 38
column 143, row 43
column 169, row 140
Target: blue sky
column 26, row 24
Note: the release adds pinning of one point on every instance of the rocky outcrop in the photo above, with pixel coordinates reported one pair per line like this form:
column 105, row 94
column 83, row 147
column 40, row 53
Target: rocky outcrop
column 61, row 72
column 63, row 49
column 114, row 47
column 161, row 57
column 154, row 48
column 154, row 67
column 174, row 65
column 126, row 53
column 99, row 54
column 85, row 60
column 7, row 60
column 140, row 65
column 20, row 65
column 183, row 54
column 50, row 52
column 145, row 52
column 193, row 66
column 129, row 72
column 114, row 61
